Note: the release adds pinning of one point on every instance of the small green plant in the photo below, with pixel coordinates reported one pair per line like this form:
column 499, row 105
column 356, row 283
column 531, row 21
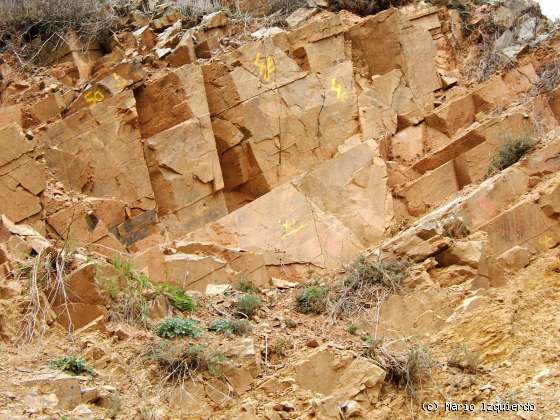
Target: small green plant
column 230, row 326
column 131, row 293
column 178, row 298
column 465, row 359
column 173, row 327
column 353, row 329
column 282, row 346
column 72, row 365
column 247, row 286
column 290, row 323
column 509, row 153
column 248, row 304
column 313, row 299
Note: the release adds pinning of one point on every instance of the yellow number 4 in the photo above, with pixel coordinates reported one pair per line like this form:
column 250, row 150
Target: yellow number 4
column 341, row 94
column 266, row 68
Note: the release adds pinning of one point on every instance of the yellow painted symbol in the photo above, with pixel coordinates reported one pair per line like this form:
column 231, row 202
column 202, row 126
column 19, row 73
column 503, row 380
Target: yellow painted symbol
column 290, row 226
column 266, row 66
column 93, row 97
column 121, row 83
column 547, row 241
column 341, row 93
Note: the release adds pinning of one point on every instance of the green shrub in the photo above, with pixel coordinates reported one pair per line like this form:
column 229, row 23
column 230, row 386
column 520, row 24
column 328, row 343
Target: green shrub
column 509, row 153
column 230, row 326
column 72, row 365
column 248, row 304
column 353, row 329
column 178, row 298
column 131, row 294
column 247, row 286
column 312, row 300
column 172, row 327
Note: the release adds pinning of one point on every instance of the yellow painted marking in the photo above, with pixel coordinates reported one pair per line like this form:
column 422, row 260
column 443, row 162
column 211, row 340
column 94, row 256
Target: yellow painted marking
column 266, row 66
column 289, row 227
column 547, row 241
column 341, row 93
column 92, row 97
column 121, row 83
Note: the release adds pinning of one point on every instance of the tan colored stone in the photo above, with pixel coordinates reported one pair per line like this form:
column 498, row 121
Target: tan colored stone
column 73, row 316
column 468, row 252
column 453, row 116
column 11, row 115
column 326, row 373
column 296, row 233
column 78, row 147
column 353, row 188
column 408, row 144
column 431, row 189
column 66, row 387
column 474, row 164
column 524, row 224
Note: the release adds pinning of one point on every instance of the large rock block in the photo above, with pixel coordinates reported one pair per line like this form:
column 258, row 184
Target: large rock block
column 180, row 149
column 523, row 224
column 287, row 228
column 98, row 151
column 353, row 188
column 22, row 175
column 289, row 130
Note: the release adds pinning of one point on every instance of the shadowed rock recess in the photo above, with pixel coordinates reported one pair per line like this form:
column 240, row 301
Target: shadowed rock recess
column 281, row 210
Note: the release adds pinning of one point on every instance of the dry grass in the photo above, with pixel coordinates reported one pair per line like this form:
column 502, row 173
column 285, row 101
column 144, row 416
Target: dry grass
column 32, row 28
column 46, row 274
column 465, row 359
column 406, row 370
column 366, row 7
column 367, row 283
column 178, row 362
column 509, row 153
column 549, row 78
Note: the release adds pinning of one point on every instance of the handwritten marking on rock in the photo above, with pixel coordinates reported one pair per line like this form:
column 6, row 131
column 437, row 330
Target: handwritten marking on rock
column 547, row 241
column 290, row 226
column 121, row 83
column 341, row 93
column 94, row 96
column 266, row 66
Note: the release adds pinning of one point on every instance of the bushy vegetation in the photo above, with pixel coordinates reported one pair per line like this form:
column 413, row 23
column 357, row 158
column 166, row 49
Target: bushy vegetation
column 312, row 299
column 353, row 329
column 178, row 362
column 247, row 305
column 32, row 28
column 247, row 286
column 175, row 326
column 366, row 281
column 364, row 271
column 230, row 326
column 132, row 294
column 72, row 365
column 366, row 7
column 465, row 359
column 178, row 298
column 509, row 153
column 407, row 369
